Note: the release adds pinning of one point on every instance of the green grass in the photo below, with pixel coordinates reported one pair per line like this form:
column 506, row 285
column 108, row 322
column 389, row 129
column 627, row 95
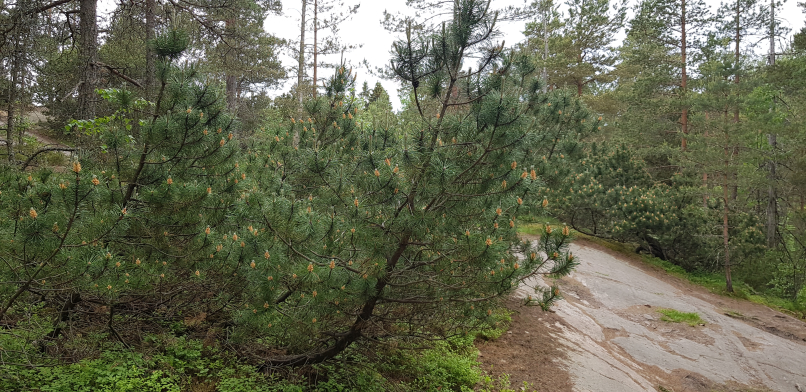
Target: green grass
column 676, row 316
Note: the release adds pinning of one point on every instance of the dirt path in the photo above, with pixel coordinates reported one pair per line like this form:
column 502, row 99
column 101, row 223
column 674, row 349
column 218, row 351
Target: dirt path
column 607, row 336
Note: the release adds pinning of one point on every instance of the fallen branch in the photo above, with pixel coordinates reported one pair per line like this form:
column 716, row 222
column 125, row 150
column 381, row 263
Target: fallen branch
column 118, row 74
column 42, row 150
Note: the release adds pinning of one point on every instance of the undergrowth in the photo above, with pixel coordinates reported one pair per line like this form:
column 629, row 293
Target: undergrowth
column 174, row 364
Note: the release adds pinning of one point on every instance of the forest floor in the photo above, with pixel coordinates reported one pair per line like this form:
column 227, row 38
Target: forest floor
column 607, row 335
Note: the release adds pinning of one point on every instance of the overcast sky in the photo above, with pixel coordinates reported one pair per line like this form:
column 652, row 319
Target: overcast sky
column 365, row 28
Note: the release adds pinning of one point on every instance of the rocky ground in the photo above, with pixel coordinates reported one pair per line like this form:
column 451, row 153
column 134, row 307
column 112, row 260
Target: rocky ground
column 607, row 335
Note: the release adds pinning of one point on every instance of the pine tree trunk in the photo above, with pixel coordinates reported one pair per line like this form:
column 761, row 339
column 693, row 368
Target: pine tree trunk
column 89, row 56
column 545, row 50
column 772, row 139
column 772, row 197
column 705, row 173
column 301, row 62
column 12, row 98
column 232, row 93
column 736, row 55
column 735, row 187
column 725, row 238
column 684, row 80
column 150, row 30
column 315, row 44
column 231, row 80
column 13, row 88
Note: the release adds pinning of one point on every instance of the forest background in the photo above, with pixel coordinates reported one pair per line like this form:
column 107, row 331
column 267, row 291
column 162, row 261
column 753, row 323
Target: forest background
column 172, row 193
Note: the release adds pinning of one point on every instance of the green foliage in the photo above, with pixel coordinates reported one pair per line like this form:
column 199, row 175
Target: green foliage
column 676, row 316
column 122, row 225
column 176, row 365
column 580, row 56
column 320, row 235
column 610, row 194
column 501, row 384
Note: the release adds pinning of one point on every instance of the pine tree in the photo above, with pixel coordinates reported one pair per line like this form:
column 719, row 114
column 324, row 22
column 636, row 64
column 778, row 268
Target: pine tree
column 580, row 47
column 409, row 231
column 134, row 220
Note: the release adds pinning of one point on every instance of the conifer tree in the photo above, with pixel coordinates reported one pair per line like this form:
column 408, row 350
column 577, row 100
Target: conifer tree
column 133, row 222
column 580, row 51
column 404, row 232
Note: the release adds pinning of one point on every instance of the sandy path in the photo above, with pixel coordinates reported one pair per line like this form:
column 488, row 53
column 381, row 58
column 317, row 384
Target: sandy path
column 613, row 339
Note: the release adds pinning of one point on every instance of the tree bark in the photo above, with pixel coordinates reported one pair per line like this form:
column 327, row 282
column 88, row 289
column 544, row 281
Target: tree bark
column 725, row 238
column 232, row 93
column 231, row 80
column 545, row 49
column 150, row 30
column 736, row 55
column 315, row 44
column 301, row 61
column 772, row 197
column 684, row 80
column 89, row 56
column 772, row 140
column 12, row 100
column 356, row 329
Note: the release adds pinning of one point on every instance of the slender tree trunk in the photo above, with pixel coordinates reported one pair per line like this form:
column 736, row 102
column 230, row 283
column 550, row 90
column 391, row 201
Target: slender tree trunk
column 18, row 38
column 684, row 81
column 545, row 49
column 579, row 83
column 89, row 56
column 232, row 93
column 705, row 173
column 735, row 187
column 737, row 58
column 230, row 79
column 150, row 30
column 772, row 139
column 772, row 197
column 12, row 100
column 301, row 63
column 725, row 238
column 315, row 44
